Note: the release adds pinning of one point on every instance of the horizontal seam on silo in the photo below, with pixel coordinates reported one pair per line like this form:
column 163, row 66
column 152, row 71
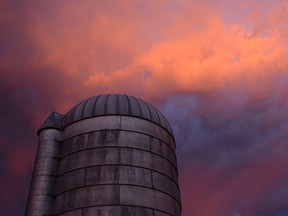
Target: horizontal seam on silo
column 174, row 146
column 120, row 165
column 173, row 151
column 113, row 165
column 118, row 147
column 91, row 206
column 128, row 165
column 122, row 183
column 133, row 116
column 133, row 185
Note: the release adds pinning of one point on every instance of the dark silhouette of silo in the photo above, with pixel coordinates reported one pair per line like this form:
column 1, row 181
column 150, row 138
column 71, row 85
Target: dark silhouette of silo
column 109, row 155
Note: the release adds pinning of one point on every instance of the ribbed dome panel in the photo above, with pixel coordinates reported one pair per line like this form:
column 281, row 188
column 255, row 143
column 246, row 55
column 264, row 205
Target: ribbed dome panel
column 115, row 104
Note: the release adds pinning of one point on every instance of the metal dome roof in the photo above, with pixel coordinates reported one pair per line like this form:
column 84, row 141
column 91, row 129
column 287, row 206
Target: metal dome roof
column 116, row 104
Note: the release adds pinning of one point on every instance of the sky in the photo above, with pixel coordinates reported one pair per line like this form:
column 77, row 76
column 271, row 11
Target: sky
column 217, row 69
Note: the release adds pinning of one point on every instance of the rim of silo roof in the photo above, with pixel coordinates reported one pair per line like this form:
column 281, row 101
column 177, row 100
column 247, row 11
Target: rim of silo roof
column 116, row 104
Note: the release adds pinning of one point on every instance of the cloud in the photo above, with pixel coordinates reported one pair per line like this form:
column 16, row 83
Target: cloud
column 216, row 56
column 232, row 148
column 103, row 45
column 220, row 77
column 255, row 189
column 26, row 158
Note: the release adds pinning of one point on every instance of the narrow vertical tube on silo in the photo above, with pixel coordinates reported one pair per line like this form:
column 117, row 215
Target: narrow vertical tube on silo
column 42, row 186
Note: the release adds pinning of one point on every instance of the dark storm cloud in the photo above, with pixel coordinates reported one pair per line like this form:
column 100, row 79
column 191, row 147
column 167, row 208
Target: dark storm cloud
column 233, row 148
column 28, row 93
column 25, row 100
column 230, row 118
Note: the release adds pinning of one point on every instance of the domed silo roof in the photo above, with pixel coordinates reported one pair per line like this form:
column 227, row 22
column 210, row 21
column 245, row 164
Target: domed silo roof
column 116, row 104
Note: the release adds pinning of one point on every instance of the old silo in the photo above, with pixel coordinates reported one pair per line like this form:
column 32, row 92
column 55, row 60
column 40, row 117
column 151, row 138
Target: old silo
column 109, row 155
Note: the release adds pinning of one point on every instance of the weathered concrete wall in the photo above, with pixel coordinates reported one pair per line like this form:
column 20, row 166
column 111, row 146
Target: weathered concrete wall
column 117, row 165
column 42, row 187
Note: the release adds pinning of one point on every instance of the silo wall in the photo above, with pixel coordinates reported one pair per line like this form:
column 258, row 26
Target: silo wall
column 117, row 165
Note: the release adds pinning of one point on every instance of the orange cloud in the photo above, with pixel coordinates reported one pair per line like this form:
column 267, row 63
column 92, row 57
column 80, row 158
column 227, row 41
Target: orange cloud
column 194, row 50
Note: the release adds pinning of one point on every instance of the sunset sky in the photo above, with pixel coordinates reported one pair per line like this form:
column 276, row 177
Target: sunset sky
column 217, row 69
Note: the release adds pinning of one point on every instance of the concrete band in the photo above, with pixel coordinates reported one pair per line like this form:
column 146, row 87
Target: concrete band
column 118, row 138
column 104, row 105
column 115, row 195
column 125, row 123
column 116, row 174
column 115, row 210
column 116, row 156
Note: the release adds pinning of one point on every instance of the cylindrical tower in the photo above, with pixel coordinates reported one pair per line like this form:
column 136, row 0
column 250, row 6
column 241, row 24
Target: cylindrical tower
column 117, row 157
column 42, row 186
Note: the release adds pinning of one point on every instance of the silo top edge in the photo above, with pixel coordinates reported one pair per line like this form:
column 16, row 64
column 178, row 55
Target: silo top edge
column 54, row 121
column 116, row 104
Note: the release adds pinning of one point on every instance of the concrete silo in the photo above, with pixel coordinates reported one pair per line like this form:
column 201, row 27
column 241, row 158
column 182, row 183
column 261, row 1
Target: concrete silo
column 109, row 155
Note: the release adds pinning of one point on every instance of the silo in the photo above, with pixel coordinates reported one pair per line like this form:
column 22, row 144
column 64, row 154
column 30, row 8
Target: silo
column 117, row 157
